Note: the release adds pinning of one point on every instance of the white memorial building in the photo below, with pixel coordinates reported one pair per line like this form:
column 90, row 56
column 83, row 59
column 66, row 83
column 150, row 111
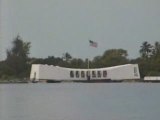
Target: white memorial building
column 41, row 72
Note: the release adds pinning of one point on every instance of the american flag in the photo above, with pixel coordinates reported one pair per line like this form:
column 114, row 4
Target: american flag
column 93, row 44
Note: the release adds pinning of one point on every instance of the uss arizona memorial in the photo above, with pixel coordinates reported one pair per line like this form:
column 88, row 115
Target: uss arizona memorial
column 52, row 73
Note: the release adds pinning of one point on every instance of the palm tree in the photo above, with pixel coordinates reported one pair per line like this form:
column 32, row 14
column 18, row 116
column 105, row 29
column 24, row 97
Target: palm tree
column 66, row 56
column 146, row 49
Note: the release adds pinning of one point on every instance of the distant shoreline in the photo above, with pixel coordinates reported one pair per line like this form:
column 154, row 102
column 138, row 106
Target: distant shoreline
column 13, row 81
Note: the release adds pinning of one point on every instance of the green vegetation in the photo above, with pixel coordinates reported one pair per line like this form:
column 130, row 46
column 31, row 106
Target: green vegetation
column 17, row 65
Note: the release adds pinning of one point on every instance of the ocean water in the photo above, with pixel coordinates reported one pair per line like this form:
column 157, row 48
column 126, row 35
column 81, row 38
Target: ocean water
column 80, row 101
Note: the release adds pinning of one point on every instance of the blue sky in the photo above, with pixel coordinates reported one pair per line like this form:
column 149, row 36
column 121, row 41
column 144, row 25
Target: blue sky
column 57, row 26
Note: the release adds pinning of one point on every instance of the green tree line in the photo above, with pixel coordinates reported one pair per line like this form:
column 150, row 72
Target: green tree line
column 18, row 63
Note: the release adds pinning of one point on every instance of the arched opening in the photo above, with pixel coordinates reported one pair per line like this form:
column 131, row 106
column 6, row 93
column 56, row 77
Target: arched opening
column 71, row 74
column 104, row 73
column 77, row 74
column 99, row 74
column 93, row 74
column 82, row 74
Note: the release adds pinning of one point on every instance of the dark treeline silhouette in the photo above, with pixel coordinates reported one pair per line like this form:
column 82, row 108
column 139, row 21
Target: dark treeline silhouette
column 18, row 63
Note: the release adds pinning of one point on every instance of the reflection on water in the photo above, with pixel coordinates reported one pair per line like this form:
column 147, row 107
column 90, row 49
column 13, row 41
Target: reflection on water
column 80, row 101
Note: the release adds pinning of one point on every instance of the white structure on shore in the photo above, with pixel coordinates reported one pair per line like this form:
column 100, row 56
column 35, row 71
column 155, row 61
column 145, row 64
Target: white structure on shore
column 56, row 73
column 152, row 78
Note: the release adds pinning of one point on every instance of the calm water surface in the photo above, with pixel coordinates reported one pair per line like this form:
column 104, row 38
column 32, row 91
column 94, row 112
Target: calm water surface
column 80, row 101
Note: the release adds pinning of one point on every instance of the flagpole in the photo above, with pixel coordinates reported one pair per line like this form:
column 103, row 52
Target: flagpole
column 92, row 44
column 88, row 66
column 88, row 63
column 88, row 72
column 88, row 59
